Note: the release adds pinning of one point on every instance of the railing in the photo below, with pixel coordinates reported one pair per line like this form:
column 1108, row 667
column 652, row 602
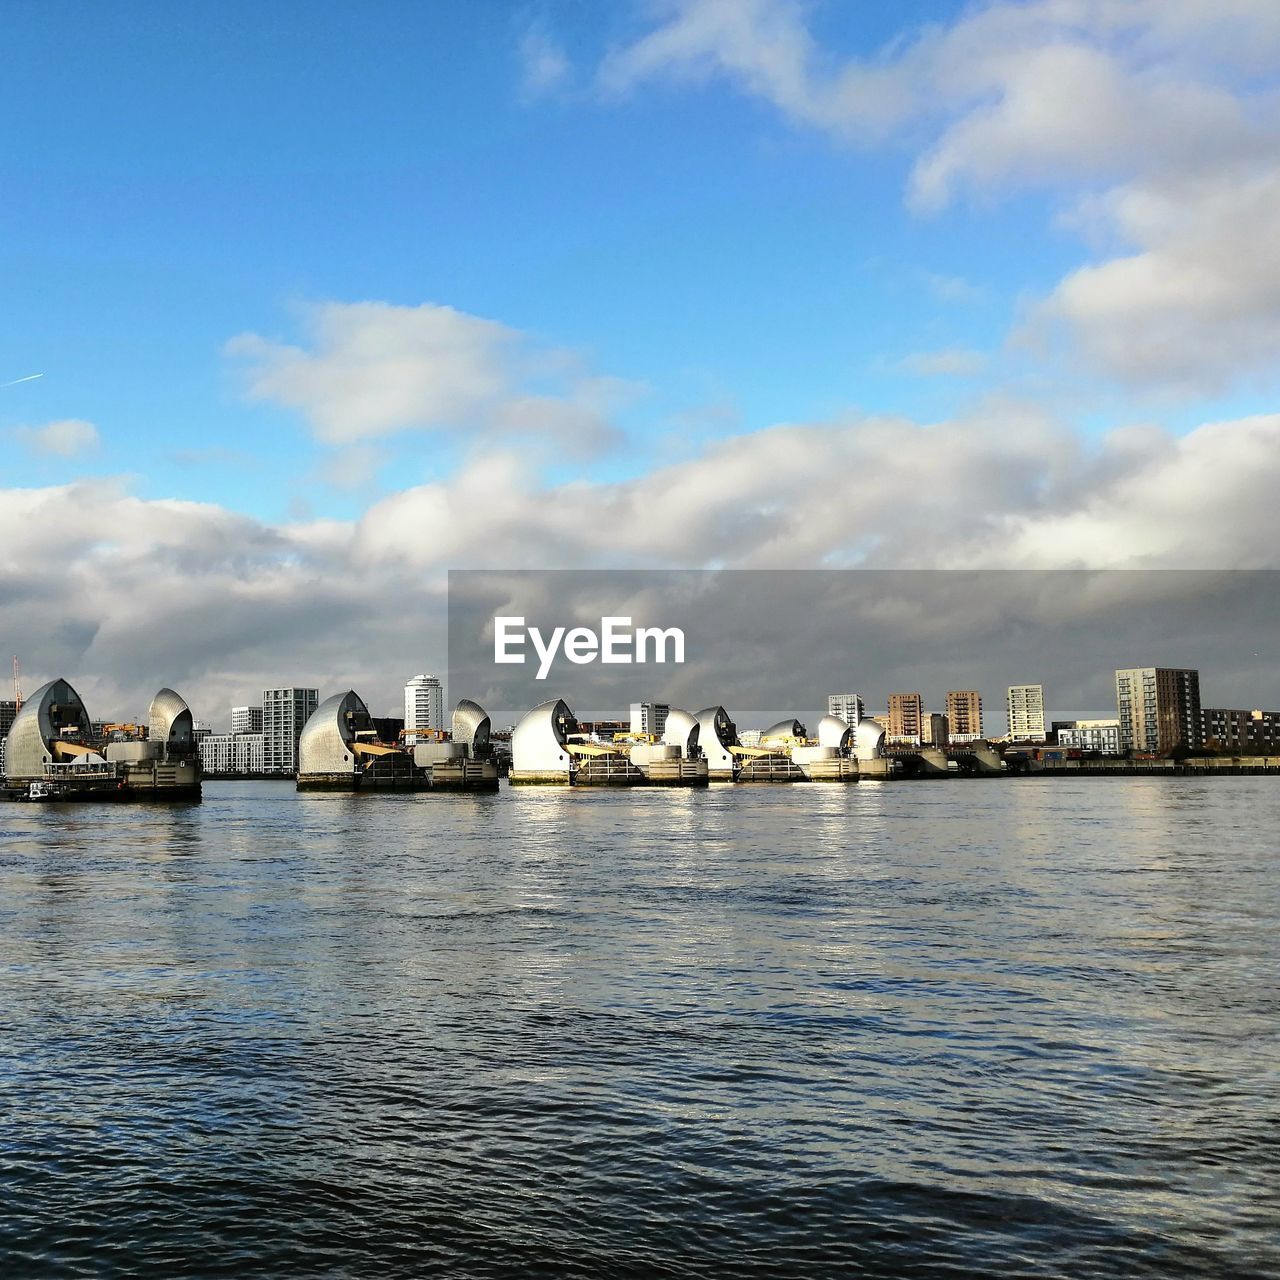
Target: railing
column 80, row 770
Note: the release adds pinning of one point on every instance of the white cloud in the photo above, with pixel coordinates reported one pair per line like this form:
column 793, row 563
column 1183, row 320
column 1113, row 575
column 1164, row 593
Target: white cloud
column 1199, row 305
column 218, row 604
column 1154, row 121
column 352, row 468
column 1057, row 112
column 67, row 438
column 1046, row 82
column 371, row 370
column 1199, row 501
column 544, row 66
column 765, row 47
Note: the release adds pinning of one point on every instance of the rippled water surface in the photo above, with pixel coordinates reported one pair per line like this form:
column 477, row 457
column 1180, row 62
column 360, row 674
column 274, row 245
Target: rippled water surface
column 1016, row 1028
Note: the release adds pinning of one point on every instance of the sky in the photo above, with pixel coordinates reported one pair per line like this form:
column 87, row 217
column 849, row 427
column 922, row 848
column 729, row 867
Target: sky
column 765, row 642
column 327, row 299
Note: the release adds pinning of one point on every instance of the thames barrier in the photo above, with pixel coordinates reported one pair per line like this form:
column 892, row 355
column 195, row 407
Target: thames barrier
column 54, row 751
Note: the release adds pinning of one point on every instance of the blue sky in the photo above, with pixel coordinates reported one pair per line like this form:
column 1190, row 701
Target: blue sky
column 610, row 248
column 185, row 176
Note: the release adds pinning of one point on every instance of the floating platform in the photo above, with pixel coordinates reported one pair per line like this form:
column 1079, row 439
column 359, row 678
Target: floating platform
column 339, row 750
column 772, row 766
column 53, row 752
column 677, row 773
column 107, row 788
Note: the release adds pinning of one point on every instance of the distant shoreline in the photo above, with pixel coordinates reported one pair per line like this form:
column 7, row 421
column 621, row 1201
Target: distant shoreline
column 1191, row 767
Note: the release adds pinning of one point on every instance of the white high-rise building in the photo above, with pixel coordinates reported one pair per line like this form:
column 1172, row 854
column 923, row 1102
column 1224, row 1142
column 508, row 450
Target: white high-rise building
column 246, row 719
column 649, row 717
column 1026, row 712
column 284, row 712
column 848, row 706
column 423, row 704
column 232, row 753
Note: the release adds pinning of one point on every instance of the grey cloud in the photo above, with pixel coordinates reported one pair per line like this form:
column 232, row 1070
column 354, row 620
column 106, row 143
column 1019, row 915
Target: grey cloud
column 1199, row 304
column 769, row 644
column 220, row 605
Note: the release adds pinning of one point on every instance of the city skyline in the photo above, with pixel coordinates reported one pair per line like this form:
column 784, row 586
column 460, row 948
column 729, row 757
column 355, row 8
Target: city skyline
column 250, row 720
column 1158, row 711
column 757, row 285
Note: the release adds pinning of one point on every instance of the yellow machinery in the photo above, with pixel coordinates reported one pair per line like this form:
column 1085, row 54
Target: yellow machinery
column 589, row 750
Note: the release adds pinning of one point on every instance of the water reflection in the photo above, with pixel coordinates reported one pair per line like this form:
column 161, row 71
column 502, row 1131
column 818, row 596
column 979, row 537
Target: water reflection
column 796, row 1029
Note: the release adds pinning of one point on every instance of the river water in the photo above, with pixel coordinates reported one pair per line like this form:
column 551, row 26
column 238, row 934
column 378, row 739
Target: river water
column 1011, row 1028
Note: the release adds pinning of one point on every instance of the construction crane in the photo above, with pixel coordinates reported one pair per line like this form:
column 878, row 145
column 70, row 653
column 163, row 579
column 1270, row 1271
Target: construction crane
column 427, row 735
column 128, row 730
column 17, row 685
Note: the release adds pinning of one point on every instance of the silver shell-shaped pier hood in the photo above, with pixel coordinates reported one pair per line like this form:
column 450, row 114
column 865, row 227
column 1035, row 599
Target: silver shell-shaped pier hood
column 782, row 730
column 540, row 741
column 868, row 742
column 169, row 720
column 471, row 727
column 325, row 744
column 52, row 709
column 716, row 734
column 681, row 730
column 834, row 732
